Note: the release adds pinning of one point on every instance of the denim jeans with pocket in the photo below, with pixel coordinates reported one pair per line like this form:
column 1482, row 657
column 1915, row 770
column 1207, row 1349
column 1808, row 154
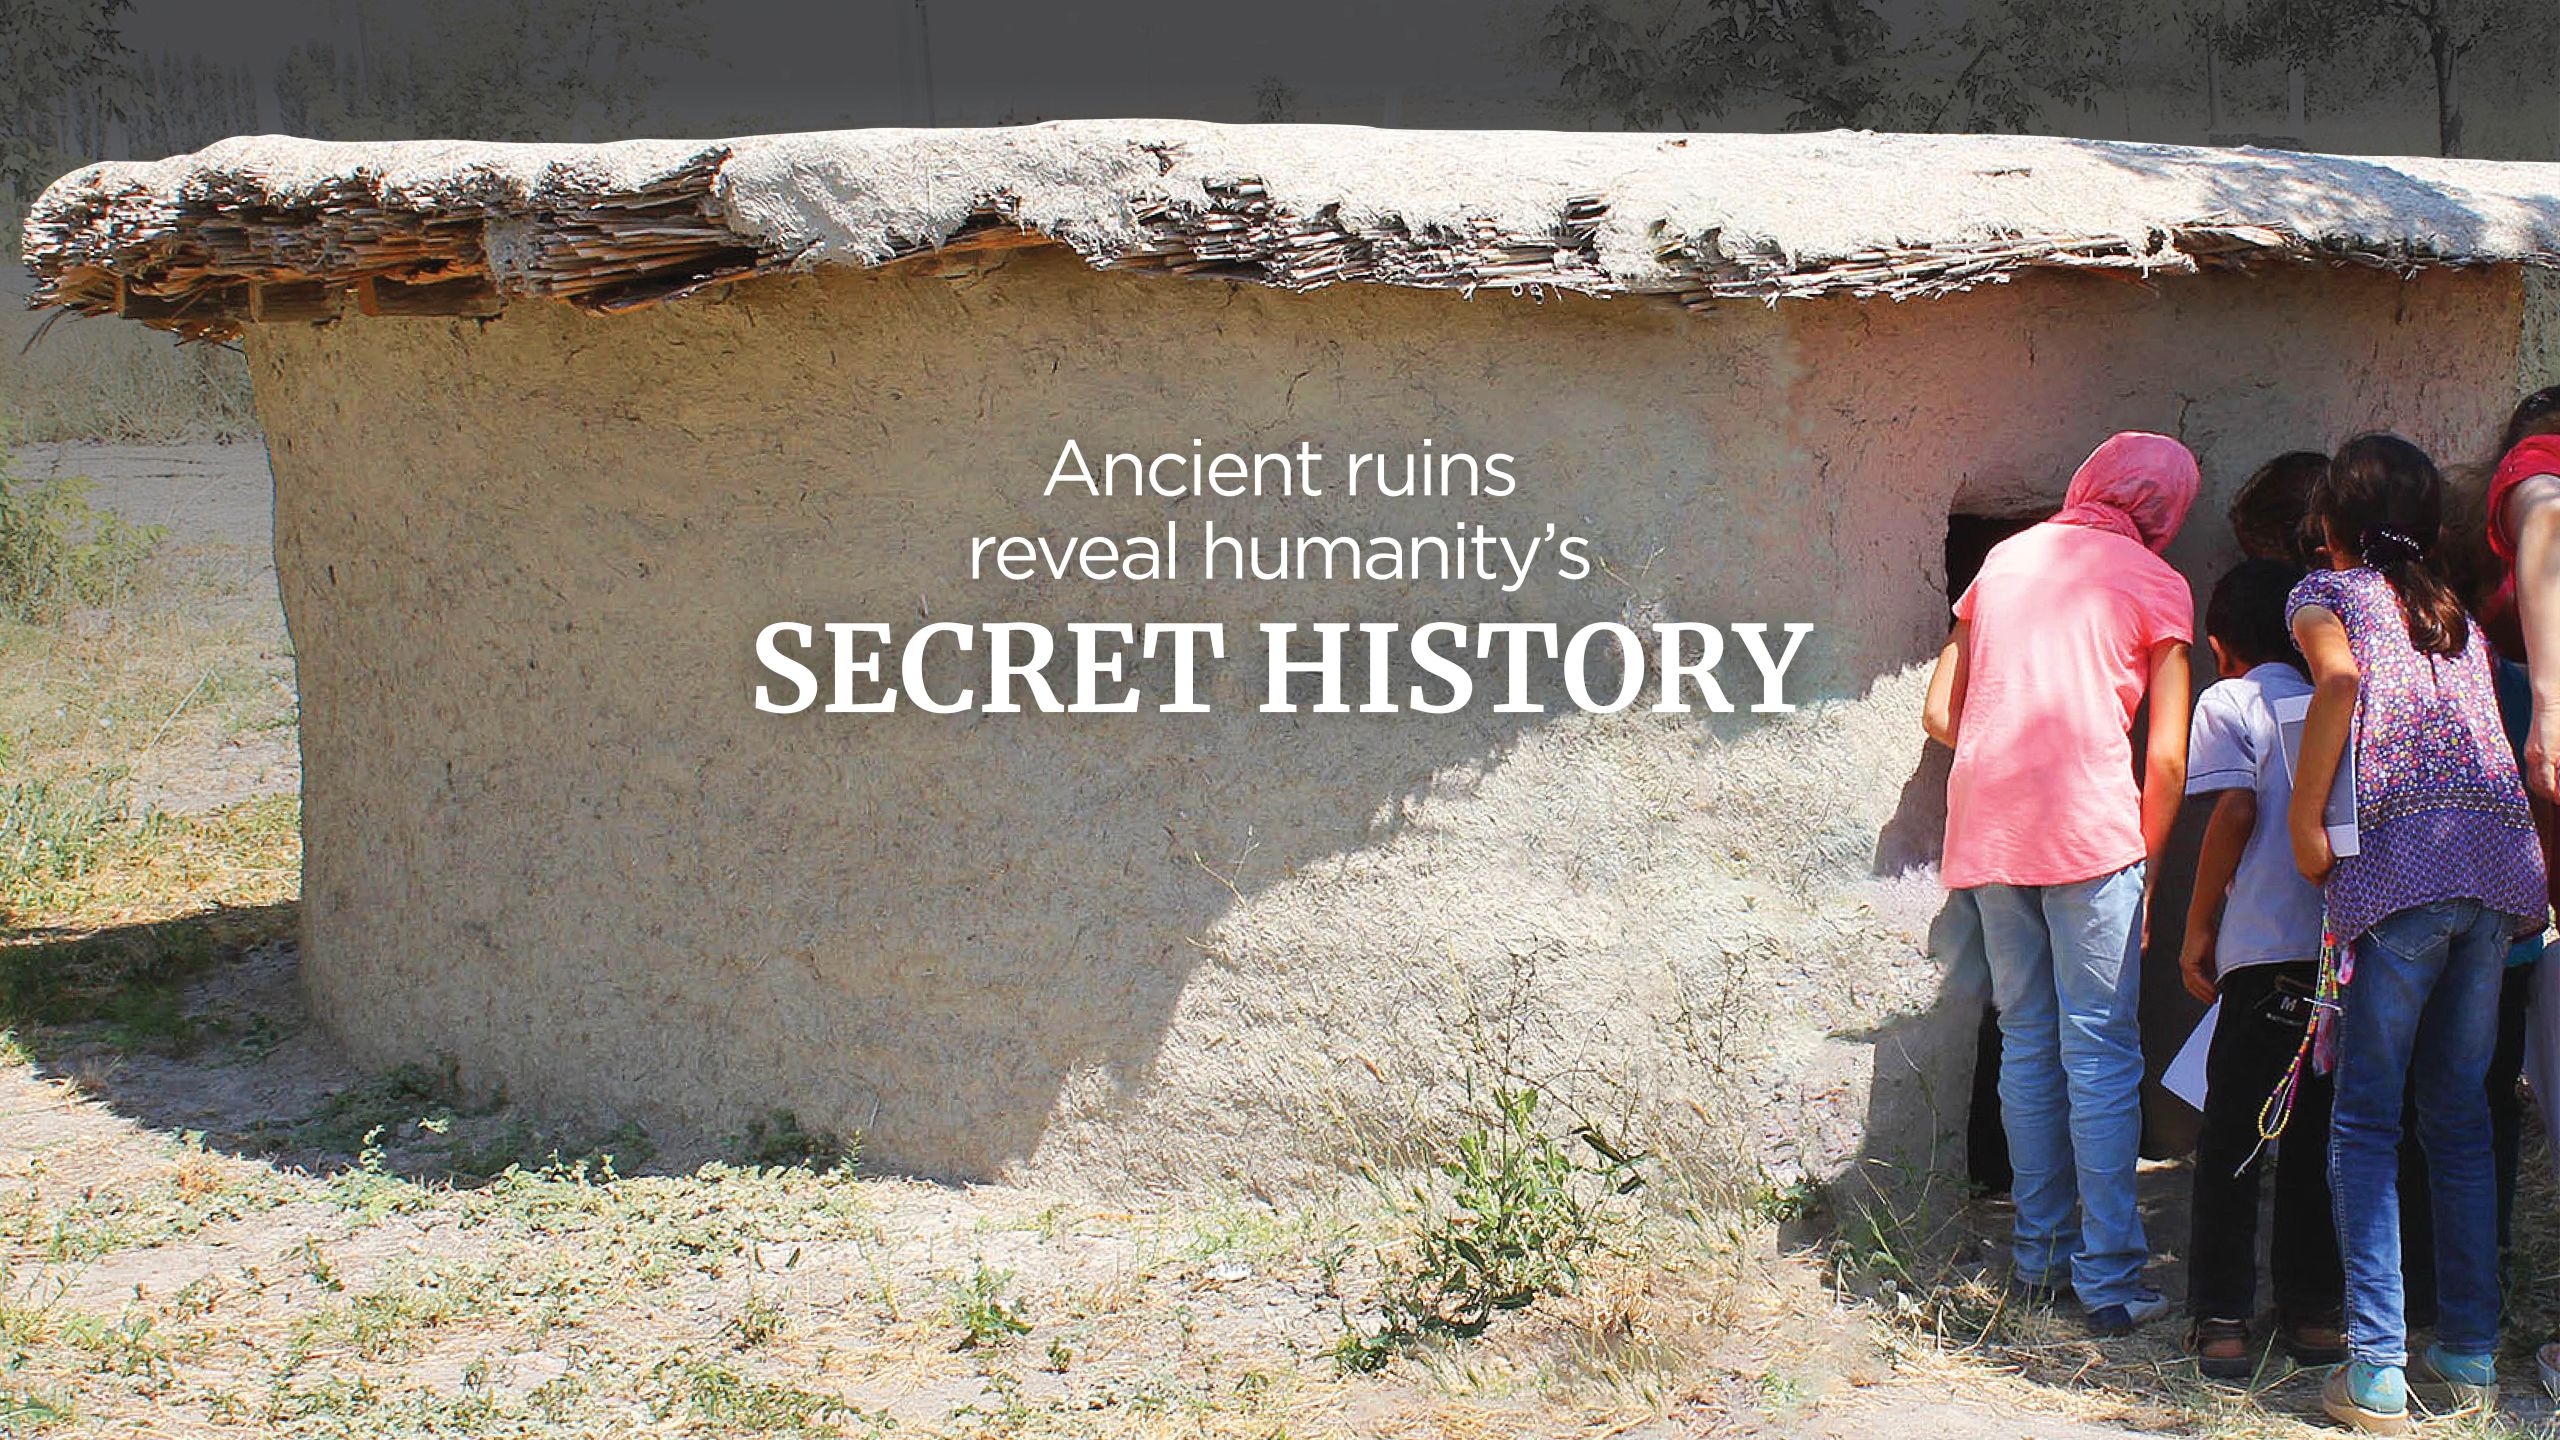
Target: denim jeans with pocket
column 2420, row 1020
column 2065, row 968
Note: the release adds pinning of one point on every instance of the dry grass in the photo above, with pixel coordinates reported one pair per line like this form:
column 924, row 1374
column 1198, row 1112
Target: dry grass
column 132, row 738
column 108, row 380
column 210, row 1224
column 1926, row 1262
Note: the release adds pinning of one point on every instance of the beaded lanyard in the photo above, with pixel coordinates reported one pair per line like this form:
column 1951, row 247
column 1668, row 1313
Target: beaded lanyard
column 2319, row 1047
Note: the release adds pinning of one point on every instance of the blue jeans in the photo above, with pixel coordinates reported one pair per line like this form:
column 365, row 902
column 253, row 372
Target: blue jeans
column 2420, row 1020
column 2065, row 966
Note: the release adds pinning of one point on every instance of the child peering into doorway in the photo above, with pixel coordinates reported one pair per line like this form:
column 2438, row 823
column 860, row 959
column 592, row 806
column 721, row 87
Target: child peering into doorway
column 2271, row 514
column 2447, row 872
column 2071, row 624
column 2253, row 942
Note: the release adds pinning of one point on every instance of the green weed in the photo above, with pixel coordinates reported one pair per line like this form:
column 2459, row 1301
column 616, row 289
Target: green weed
column 59, row 552
column 714, row 1396
column 54, row 830
column 977, row 1305
column 136, row 1215
column 759, row 1320
column 1510, row 1216
column 33, row 1412
column 778, row 1140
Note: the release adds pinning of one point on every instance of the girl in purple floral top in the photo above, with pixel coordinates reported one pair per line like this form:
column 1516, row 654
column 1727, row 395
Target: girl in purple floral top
column 2447, row 870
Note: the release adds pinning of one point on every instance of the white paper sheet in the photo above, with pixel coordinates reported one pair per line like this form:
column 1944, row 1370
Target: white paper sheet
column 2185, row 1076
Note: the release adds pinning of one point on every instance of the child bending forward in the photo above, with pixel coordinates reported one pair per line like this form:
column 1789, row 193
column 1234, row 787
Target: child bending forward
column 2069, row 626
column 2253, row 941
column 2446, row 872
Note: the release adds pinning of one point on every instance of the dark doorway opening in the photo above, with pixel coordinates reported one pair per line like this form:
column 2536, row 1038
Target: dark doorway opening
column 1986, row 1144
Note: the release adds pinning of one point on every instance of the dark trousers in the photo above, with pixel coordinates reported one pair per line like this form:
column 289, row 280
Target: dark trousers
column 2506, row 1145
column 2265, row 1009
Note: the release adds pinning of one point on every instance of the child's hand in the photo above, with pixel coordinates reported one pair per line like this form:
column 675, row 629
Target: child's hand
column 2196, row 966
column 2311, row 853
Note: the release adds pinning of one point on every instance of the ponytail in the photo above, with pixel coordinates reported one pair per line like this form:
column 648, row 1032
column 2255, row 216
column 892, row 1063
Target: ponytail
column 2437, row 623
column 2386, row 493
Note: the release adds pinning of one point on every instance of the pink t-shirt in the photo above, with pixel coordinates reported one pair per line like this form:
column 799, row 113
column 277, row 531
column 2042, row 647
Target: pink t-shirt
column 2065, row 619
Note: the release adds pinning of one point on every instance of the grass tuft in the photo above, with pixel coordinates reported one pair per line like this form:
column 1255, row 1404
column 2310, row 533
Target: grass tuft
column 59, row 552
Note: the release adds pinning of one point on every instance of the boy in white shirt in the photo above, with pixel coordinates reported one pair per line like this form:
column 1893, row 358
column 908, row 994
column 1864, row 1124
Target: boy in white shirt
column 2253, row 941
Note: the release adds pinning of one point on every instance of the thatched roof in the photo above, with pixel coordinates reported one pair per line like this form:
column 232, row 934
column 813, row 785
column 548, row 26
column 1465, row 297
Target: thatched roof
column 270, row 228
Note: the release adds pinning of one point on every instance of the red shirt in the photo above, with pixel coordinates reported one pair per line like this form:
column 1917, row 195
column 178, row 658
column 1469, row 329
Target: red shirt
column 2499, row 618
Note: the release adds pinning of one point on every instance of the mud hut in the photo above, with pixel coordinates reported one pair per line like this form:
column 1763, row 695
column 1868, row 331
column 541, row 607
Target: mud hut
column 556, row 430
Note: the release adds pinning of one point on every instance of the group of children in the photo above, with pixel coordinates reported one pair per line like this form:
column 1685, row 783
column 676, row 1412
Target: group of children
column 2363, row 970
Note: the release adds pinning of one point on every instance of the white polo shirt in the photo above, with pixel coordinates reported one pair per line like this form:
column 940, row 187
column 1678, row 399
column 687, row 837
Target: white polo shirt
column 2273, row 914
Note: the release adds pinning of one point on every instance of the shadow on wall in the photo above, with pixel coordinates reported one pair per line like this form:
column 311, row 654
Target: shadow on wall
column 552, row 812
column 974, row 930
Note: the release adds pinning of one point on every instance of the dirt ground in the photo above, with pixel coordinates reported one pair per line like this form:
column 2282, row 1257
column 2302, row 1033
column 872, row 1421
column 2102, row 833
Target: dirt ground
column 211, row 1224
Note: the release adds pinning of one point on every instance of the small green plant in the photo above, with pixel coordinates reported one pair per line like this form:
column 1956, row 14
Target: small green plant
column 54, row 830
column 312, row 1261
column 124, row 1346
column 57, row 551
column 1366, row 1352
column 360, row 1114
column 778, row 1141
column 724, row 1402
column 1511, row 1215
column 978, row 1307
column 29, row 1411
column 1782, row 1203
column 759, row 1319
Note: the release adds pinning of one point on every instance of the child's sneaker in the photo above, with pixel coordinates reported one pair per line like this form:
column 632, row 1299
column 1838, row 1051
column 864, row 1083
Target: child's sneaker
column 2371, row 1399
column 2124, row 1318
column 2449, row 1383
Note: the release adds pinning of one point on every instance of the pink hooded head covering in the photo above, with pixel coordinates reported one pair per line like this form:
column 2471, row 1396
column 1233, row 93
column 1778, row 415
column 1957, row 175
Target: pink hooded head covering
column 2137, row 484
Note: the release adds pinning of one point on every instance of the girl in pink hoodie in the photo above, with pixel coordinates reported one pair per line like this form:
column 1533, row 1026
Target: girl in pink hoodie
column 2071, row 625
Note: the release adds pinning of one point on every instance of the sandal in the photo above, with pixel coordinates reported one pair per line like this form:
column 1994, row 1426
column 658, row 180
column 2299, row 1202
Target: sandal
column 2222, row 1348
column 2313, row 1343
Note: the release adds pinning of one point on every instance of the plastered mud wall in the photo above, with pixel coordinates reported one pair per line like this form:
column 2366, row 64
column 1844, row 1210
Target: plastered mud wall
column 548, row 836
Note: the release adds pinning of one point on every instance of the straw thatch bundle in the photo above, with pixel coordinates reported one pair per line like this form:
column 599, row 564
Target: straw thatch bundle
column 274, row 229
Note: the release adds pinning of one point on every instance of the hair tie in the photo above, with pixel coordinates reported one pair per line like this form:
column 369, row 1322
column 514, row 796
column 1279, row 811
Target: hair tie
column 2388, row 547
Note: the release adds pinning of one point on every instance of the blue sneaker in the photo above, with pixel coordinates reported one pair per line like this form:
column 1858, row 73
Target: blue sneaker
column 2368, row 1399
column 2125, row 1317
column 2449, row 1382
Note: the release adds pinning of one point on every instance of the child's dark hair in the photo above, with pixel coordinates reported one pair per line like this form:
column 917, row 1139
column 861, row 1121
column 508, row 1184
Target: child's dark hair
column 2466, row 557
column 2536, row 414
column 2271, row 514
column 2383, row 496
column 2246, row 612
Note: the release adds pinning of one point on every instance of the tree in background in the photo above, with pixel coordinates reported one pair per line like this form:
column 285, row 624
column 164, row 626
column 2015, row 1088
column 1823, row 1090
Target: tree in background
column 59, row 60
column 1273, row 101
column 2022, row 64
column 1830, row 63
column 173, row 103
column 72, row 91
column 521, row 70
column 2455, row 37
